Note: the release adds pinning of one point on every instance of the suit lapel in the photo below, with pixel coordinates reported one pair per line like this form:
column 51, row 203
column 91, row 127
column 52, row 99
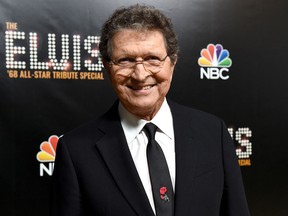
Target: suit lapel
column 115, row 152
column 186, row 155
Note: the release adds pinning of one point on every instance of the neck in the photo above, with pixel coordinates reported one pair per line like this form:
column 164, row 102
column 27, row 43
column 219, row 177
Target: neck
column 145, row 113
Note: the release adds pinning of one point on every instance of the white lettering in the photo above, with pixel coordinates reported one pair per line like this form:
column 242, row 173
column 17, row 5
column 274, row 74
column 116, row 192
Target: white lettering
column 214, row 73
column 47, row 170
column 92, row 62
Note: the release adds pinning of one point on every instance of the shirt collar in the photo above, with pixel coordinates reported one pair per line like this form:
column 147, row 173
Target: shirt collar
column 133, row 125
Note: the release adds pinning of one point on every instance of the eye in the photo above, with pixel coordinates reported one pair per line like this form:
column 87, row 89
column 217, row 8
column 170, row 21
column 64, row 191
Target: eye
column 125, row 61
column 153, row 60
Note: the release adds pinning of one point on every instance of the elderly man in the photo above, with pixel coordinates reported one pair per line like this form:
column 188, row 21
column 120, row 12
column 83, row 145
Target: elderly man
column 147, row 155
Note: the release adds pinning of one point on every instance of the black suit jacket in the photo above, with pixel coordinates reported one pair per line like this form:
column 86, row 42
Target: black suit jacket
column 95, row 175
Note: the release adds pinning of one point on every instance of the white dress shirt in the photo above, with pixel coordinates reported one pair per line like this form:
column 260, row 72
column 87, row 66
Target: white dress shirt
column 137, row 143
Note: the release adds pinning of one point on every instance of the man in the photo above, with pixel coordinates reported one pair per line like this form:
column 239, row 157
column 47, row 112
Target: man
column 105, row 167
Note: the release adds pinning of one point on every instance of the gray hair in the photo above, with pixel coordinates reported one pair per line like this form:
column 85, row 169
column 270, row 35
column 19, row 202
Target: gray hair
column 140, row 18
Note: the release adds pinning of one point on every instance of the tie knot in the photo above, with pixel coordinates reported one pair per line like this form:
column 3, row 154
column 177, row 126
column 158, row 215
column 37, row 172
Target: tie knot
column 150, row 130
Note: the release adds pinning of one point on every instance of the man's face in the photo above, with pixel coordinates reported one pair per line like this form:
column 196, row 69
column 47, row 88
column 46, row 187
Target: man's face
column 140, row 91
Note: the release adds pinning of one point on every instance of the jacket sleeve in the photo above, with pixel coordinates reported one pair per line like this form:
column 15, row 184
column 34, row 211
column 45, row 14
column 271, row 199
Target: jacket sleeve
column 66, row 197
column 233, row 201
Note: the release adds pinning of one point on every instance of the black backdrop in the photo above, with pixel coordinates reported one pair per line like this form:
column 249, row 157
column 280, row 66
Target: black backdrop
column 38, row 103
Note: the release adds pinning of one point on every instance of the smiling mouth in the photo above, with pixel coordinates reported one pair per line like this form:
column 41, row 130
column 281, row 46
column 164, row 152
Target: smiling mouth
column 141, row 87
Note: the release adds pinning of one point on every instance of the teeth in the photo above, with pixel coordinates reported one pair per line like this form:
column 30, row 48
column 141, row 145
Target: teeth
column 146, row 87
column 141, row 88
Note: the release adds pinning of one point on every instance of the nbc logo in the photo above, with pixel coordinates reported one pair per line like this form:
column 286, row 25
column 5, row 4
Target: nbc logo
column 47, row 155
column 214, row 62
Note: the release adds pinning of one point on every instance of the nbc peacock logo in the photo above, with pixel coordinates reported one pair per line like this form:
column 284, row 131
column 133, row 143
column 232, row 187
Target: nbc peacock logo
column 46, row 155
column 214, row 62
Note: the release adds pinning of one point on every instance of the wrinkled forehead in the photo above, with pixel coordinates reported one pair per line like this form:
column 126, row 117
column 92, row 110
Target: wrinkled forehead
column 133, row 36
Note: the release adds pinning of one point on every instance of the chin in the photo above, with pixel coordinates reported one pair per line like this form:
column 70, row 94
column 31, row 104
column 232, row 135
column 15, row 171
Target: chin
column 145, row 104
column 142, row 105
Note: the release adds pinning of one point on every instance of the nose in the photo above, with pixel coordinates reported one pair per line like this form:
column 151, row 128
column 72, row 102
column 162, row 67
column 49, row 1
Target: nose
column 140, row 73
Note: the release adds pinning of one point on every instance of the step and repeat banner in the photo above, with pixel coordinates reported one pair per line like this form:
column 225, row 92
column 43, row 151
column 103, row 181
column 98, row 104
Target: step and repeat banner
column 233, row 63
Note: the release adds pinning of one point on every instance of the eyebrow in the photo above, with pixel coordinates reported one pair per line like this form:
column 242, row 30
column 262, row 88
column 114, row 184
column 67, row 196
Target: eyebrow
column 131, row 54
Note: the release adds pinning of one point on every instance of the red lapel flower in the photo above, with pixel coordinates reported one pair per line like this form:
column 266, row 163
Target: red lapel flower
column 163, row 194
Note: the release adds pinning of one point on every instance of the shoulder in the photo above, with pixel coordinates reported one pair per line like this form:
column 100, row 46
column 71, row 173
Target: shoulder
column 186, row 112
column 196, row 120
column 94, row 129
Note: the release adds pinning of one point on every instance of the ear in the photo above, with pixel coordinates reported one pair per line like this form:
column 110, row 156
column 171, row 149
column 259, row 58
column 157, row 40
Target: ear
column 107, row 66
column 173, row 66
column 176, row 59
column 174, row 63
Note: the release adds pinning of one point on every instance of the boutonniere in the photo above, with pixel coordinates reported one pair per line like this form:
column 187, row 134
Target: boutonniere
column 163, row 194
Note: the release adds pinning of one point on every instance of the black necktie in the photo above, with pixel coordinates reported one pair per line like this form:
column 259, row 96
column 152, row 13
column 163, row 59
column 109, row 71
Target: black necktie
column 159, row 174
